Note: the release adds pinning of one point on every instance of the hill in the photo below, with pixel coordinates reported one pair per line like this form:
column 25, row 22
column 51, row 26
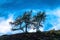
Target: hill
column 49, row 35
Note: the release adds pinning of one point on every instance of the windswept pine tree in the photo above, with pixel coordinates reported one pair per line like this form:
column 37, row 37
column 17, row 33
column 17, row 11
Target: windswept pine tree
column 39, row 19
column 26, row 18
column 18, row 21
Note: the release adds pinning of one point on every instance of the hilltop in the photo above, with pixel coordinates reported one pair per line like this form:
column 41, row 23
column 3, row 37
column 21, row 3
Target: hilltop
column 49, row 35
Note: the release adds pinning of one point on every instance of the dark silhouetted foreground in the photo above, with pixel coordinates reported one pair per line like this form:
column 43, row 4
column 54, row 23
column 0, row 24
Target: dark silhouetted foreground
column 50, row 35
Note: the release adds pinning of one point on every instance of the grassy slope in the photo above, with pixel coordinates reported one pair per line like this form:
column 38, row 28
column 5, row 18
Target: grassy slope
column 51, row 35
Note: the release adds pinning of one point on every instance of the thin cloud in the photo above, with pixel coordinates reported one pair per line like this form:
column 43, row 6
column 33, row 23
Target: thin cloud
column 52, row 17
column 56, row 20
column 4, row 24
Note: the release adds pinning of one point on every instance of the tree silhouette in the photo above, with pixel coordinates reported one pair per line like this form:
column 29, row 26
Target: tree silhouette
column 18, row 21
column 36, row 20
column 26, row 18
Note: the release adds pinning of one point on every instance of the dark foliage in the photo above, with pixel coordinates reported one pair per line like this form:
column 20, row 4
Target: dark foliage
column 36, row 20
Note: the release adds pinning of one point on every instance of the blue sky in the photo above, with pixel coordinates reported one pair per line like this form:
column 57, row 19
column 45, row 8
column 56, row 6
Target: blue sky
column 16, row 6
column 10, row 9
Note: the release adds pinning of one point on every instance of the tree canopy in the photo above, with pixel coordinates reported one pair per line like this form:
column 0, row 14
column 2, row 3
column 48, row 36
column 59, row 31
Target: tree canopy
column 26, row 18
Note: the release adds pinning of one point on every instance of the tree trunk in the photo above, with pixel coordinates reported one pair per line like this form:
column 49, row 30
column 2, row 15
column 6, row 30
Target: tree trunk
column 26, row 28
column 37, row 28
